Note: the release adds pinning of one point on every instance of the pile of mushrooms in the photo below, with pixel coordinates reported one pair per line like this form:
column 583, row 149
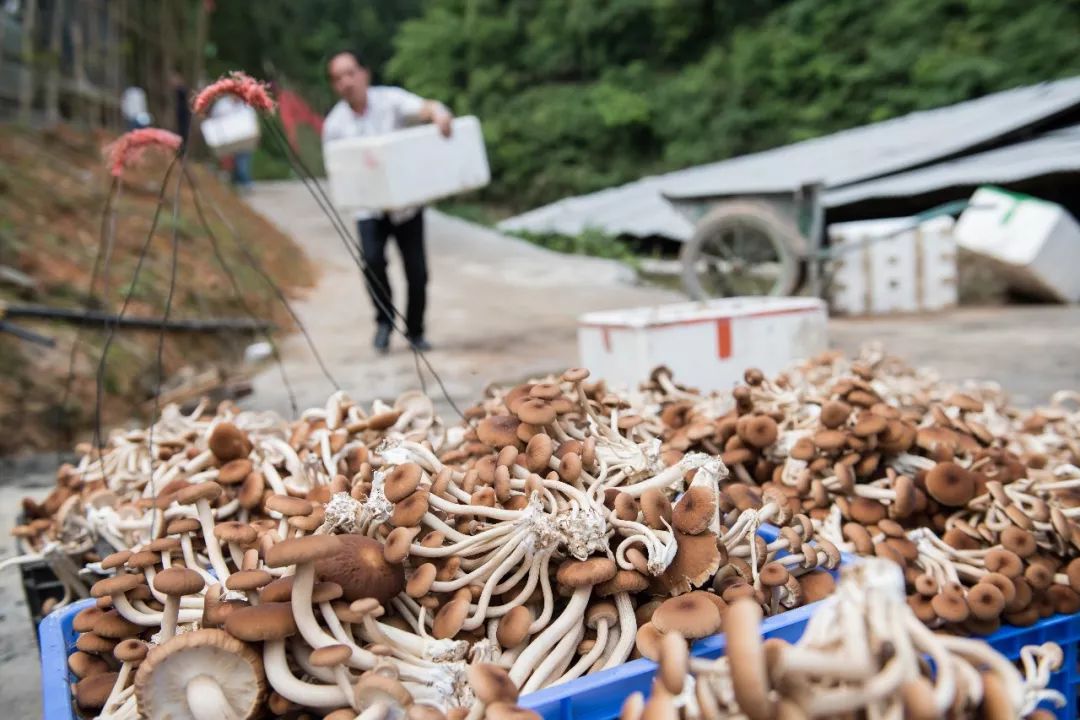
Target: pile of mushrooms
column 563, row 528
column 863, row 654
column 550, row 536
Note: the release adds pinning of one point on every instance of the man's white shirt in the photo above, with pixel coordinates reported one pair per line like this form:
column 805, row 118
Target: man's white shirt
column 388, row 109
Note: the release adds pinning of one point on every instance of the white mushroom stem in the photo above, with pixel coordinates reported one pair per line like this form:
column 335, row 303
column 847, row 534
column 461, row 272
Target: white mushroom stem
column 289, row 687
column 627, row 631
column 562, row 650
column 206, row 700
column 213, row 549
column 150, row 619
column 528, row 660
column 586, row 661
column 169, row 616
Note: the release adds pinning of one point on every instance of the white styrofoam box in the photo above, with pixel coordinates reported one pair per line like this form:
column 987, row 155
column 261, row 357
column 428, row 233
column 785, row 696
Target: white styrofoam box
column 913, row 270
column 707, row 345
column 407, row 167
column 1036, row 243
column 235, row 132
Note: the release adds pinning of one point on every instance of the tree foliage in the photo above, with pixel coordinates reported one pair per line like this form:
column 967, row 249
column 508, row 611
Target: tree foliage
column 580, row 94
column 577, row 95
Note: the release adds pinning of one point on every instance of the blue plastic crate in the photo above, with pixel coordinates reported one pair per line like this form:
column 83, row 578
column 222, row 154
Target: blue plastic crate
column 600, row 696
column 56, row 640
column 1061, row 629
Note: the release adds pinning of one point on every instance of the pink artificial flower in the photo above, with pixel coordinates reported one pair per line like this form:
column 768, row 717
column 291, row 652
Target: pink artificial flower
column 125, row 152
column 237, row 83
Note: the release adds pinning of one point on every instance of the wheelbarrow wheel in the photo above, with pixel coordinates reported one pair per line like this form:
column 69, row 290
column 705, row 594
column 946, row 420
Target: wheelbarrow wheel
column 742, row 248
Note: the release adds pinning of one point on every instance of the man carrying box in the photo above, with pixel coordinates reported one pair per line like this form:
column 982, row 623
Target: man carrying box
column 366, row 111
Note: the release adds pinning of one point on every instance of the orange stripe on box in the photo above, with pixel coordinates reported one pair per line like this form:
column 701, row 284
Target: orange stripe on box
column 723, row 338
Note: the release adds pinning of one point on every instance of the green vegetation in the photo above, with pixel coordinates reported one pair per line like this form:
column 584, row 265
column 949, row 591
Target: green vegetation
column 591, row 242
column 577, row 95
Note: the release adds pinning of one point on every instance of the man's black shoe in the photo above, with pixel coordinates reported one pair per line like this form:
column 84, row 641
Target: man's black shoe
column 419, row 343
column 382, row 338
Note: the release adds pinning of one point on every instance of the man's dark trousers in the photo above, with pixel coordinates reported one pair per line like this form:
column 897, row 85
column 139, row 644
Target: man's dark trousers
column 374, row 235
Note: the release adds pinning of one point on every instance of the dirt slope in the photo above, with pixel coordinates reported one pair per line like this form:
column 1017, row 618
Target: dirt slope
column 53, row 189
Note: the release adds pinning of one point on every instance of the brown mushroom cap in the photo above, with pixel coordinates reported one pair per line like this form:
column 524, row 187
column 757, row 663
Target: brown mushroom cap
column 647, row 641
column 182, row 525
column 492, row 683
column 950, row 607
column 330, row 655
column 834, row 413
column 986, row 601
column 228, row 442
column 829, row 440
column 116, row 585
column 450, row 618
column 773, row 574
column 131, row 650
column 236, row 532
column 535, row 411
column 582, row 573
column 694, row 511
column 421, row 580
column 268, row 621
column 178, row 581
column 114, row 626
column 630, row 581
column 674, row 662
column 92, row 692
column 245, row 580
column 402, row 481
column 514, row 627
column 95, row 644
column 410, row 511
column 1006, row 562
column 287, row 505
column 398, row 543
column 498, row 430
column 817, row 585
column 207, row 490
column 83, row 665
column 691, row 615
column 234, row 471
column 758, row 432
column 358, row 565
column 950, row 484
column 161, row 681
column 86, row 618
column 656, row 508
column 115, row 560
column 279, row 590
column 299, row 550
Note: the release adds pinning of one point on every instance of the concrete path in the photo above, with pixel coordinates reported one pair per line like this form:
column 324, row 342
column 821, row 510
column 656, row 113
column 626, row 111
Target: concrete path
column 499, row 309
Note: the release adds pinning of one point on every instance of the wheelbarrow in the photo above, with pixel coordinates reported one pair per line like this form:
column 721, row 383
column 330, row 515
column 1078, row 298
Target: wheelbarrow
column 765, row 243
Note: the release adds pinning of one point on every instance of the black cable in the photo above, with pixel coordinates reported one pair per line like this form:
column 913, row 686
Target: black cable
column 240, row 296
column 101, row 255
column 111, row 329
column 328, row 209
column 257, row 266
column 175, row 240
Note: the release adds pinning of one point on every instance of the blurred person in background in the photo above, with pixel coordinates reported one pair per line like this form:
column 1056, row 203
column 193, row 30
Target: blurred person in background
column 238, row 163
column 182, row 101
column 366, row 110
column 134, row 109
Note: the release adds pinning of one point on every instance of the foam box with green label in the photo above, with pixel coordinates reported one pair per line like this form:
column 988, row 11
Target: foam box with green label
column 1035, row 243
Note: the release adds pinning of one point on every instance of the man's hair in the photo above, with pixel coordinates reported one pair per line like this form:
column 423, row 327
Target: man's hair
column 343, row 51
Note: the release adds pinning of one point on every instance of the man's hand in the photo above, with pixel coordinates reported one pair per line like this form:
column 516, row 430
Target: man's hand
column 443, row 119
